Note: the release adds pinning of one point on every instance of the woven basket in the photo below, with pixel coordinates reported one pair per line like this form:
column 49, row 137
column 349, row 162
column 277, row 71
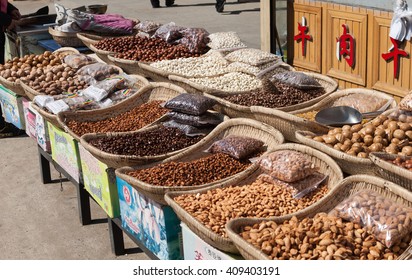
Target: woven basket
column 240, row 127
column 103, row 55
column 13, row 86
column 51, row 118
column 288, row 123
column 390, row 171
column 343, row 190
column 326, row 166
column 155, row 74
column 129, row 66
column 65, row 39
column 117, row 161
column 29, row 92
column 231, row 109
column 62, row 52
column 349, row 164
column 150, row 92
column 87, row 40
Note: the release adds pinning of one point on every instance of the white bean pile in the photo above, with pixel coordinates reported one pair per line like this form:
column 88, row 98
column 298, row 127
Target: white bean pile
column 250, row 56
column 204, row 66
column 231, row 82
column 225, row 40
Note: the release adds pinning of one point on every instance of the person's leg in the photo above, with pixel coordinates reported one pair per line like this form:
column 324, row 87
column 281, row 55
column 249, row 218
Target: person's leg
column 2, row 43
column 220, row 5
column 169, row 3
column 155, row 3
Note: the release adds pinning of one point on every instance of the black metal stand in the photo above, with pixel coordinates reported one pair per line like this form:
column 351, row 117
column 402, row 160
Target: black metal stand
column 83, row 200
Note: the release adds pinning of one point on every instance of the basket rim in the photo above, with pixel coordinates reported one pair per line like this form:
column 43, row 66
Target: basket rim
column 378, row 158
column 169, row 196
column 233, row 225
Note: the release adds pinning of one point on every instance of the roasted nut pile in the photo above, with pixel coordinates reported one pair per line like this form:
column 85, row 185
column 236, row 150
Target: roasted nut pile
column 128, row 121
column 231, row 82
column 158, row 141
column 144, row 49
column 194, row 66
column 275, row 95
column 198, row 172
column 402, row 162
column 322, row 237
column 17, row 68
column 54, row 80
column 259, row 199
column 381, row 134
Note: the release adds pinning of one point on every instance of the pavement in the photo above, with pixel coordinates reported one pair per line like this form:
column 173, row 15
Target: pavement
column 41, row 221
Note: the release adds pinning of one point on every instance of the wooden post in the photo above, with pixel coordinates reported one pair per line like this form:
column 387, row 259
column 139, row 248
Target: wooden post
column 268, row 25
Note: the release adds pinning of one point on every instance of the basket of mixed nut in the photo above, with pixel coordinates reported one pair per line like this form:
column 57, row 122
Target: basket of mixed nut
column 140, row 110
column 362, row 218
column 221, row 159
column 288, row 123
column 206, row 211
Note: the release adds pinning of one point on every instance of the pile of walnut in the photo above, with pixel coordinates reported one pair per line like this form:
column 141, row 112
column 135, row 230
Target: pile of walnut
column 322, row 237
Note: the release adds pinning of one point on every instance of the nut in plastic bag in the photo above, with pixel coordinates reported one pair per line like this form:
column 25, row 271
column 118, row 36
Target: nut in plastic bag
column 96, row 72
column 286, row 165
column 188, row 130
column 237, row 147
column 401, row 115
column 388, row 220
column 78, row 60
column 206, row 119
column 406, row 103
column 193, row 104
column 297, row 79
column 362, row 102
column 169, row 32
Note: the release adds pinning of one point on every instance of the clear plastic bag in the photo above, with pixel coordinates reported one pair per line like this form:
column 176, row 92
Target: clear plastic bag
column 189, row 130
column 169, row 32
column 254, row 57
column 68, row 104
column 401, row 115
column 195, row 40
column 103, row 89
column 288, row 166
column 148, row 26
column 297, row 79
column 122, row 94
column 406, row 103
column 192, row 104
column 78, row 60
column 225, row 41
column 237, row 147
column 205, row 119
column 388, row 220
column 362, row 102
column 96, row 72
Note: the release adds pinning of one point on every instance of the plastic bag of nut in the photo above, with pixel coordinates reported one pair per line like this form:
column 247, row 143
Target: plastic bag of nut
column 104, row 88
column 237, row 147
column 362, row 102
column 388, row 220
column 287, row 166
column 96, row 72
column 148, row 26
column 78, row 60
column 225, row 41
column 193, row 104
column 189, row 130
column 406, row 103
column 401, row 115
column 205, row 119
column 297, row 79
column 195, row 40
column 169, row 32
column 251, row 56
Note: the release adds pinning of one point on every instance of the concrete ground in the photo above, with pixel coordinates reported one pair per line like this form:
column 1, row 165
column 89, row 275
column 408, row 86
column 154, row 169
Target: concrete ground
column 41, row 221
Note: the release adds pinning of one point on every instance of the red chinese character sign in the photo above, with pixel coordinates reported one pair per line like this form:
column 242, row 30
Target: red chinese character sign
column 395, row 53
column 346, row 47
column 302, row 36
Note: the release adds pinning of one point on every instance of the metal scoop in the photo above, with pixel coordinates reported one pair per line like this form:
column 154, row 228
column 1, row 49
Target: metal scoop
column 342, row 115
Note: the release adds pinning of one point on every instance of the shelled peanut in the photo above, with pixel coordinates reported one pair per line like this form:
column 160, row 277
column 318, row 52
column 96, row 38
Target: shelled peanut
column 323, row 237
column 402, row 162
column 13, row 70
column 259, row 199
column 380, row 135
column 198, row 172
column 133, row 119
column 160, row 140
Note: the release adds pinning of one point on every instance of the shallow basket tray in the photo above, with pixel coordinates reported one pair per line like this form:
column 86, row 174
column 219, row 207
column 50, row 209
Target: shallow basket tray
column 104, row 55
column 87, row 40
column 288, row 122
column 326, row 166
column 13, row 86
column 129, row 66
column 342, row 191
column 350, row 164
column 150, row 92
column 231, row 109
column 239, row 127
column 117, row 161
column 156, row 74
column 65, row 39
column 390, row 171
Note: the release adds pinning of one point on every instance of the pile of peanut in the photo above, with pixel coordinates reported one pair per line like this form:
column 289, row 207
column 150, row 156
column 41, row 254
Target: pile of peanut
column 259, row 199
column 322, row 237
